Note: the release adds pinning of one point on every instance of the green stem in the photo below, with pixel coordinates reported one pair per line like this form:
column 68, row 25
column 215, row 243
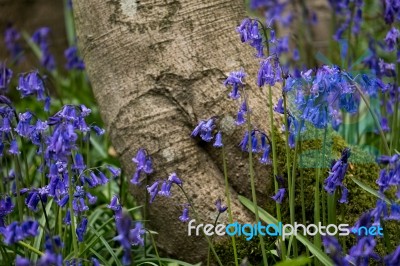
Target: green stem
column 228, row 200
column 275, row 168
column 209, row 249
column 25, row 245
column 210, row 244
column 253, row 186
column 394, row 138
column 71, row 210
column 155, row 247
column 376, row 120
column 20, row 202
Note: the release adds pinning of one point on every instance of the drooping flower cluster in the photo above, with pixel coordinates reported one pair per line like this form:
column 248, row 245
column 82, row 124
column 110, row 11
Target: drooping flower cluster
column 144, row 165
column 259, row 144
column 15, row 232
column 337, row 174
column 390, row 175
column 73, row 59
column 12, row 41
column 41, row 38
column 5, row 77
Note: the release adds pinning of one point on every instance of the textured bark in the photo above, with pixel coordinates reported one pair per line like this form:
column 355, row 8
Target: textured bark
column 157, row 68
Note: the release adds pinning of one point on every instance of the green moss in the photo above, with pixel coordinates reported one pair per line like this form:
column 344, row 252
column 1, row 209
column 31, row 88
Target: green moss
column 361, row 166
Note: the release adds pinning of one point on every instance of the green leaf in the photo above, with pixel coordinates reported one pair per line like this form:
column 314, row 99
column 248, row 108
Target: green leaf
column 370, row 190
column 300, row 261
column 101, row 258
column 107, row 246
column 38, row 240
column 269, row 219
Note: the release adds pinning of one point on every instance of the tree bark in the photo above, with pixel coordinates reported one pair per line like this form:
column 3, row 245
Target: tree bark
column 157, row 68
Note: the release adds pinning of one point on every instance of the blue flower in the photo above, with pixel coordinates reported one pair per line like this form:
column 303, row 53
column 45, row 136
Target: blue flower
column 5, row 77
column 337, row 172
column 153, row 190
column 173, row 178
column 334, row 250
column 81, row 229
column 115, row 172
column 51, row 256
column 220, row 208
column 204, row 129
column 6, row 207
column 279, row 107
column 393, row 259
column 16, row 232
column 14, row 148
column 19, row 261
column 235, row 79
column 165, row 189
column 269, row 72
column 278, row 197
column 185, row 215
column 363, row 251
column 394, row 212
column 135, row 178
column 12, row 42
column 67, row 218
column 218, row 140
column 114, row 204
column 391, row 38
column 73, row 60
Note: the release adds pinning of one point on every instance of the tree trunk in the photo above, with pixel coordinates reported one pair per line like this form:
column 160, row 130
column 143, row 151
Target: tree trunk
column 157, row 68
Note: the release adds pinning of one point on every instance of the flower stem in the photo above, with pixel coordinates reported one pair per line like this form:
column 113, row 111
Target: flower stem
column 228, row 200
column 253, row 186
column 71, row 210
column 275, row 168
column 210, row 244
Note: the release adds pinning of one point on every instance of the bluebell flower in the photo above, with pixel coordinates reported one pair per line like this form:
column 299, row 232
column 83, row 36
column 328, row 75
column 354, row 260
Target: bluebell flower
column 63, row 201
column 135, row 178
column 279, row 107
column 363, row 251
column 394, row 212
column 204, row 129
column 12, row 42
column 14, row 148
column 220, row 208
column 103, row 179
column 94, row 261
column 115, row 172
column 235, row 79
column 392, row 10
column 73, row 60
column 391, row 38
column 393, row 259
column 79, row 164
column 153, row 190
column 337, row 172
column 40, row 37
column 6, row 207
column 240, row 120
column 383, row 180
column 6, row 126
column 114, row 204
column 345, row 193
column 185, row 215
column 99, row 131
column 91, row 199
column 5, row 77
column 278, row 197
column 218, row 140
column 296, row 55
column 265, row 158
column 173, row 178
column 165, row 189
column 19, row 261
column 52, row 255
column 79, row 206
column 269, row 72
column 250, row 33
column 67, row 218
column 16, row 232
column 334, row 250
column 81, row 229
column 32, row 84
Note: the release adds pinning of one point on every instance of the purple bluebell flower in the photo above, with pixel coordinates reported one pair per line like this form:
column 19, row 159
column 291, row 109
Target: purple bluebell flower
column 204, row 130
column 115, row 172
column 52, row 255
column 114, row 204
column 99, row 131
column 81, row 229
column 278, row 197
column 165, row 189
column 235, row 79
column 173, row 178
column 245, row 141
column 334, row 250
column 20, row 261
column 392, row 10
column 73, row 60
column 63, row 201
column 269, row 72
column 16, row 232
column 345, row 193
column 12, row 42
column 6, row 207
column 135, row 178
column 185, row 215
column 220, row 208
column 279, row 107
column 6, row 126
column 5, row 77
column 265, row 158
column 103, row 179
column 393, row 259
column 240, row 120
column 250, row 33
column 218, row 140
column 394, row 212
column 31, row 84
column 363, row 251
column 91, row 199
column 67, row 218
column 337, row 172
column 94, row 261
column 79, row 206
column 153, row 190
column 40, row 37
column 79, row 164
column 391, row 38
column 14, row 148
